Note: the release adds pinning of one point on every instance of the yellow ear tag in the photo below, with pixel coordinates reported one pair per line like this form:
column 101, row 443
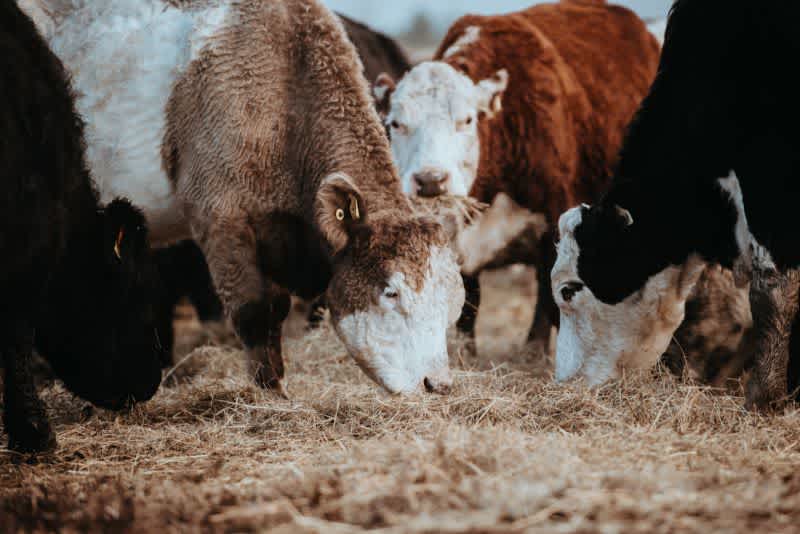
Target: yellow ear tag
column 118, row 242
column 340, row 214
column 354, row 208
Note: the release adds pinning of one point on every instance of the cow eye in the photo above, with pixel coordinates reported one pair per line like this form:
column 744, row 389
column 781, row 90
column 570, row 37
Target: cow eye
column 464, row 123
column 395, row 125
column 391, row 294
column 569, row 290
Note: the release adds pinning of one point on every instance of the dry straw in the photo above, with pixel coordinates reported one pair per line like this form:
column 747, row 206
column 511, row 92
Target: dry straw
column 507, row 451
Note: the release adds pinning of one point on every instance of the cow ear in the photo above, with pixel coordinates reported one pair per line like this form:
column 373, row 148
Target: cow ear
column 490, row 93
column 382, row 90
column 125, row 231
column 340, row 210
column 623, row 216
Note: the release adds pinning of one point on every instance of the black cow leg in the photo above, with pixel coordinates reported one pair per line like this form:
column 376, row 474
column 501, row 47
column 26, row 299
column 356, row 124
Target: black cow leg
column 793, row 371
column 258, row 325
column 24, row 417
column 774, row 303
column 546, row 314
column 472, row 301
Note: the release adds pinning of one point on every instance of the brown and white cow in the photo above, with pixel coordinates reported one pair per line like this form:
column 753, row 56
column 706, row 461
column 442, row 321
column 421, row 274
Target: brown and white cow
column 248, row 126
column 533, row 104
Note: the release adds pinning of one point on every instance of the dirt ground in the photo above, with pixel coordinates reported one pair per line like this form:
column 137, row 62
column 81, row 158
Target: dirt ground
column 506, row 451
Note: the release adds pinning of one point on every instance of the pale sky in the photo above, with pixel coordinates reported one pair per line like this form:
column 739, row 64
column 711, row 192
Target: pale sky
column 394, row 16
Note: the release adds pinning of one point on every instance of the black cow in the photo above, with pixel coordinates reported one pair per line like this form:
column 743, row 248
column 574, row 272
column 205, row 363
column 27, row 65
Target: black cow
column 722, row 101
column 378, row 52
column 77, row 279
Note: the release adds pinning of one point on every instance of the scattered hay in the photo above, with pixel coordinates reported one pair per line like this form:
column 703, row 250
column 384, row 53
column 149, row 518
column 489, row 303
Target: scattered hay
column 507, row 451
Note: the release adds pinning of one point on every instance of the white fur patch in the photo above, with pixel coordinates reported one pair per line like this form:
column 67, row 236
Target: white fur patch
column 471, row 35
column 209, row 24
column 743, row 237
column 380, row 92
column 402, row 340
column 596, row 339
column 125, row 56
column 435, row 109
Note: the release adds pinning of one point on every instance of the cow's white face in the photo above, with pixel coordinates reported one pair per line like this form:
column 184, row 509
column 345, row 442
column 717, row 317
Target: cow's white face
column 433, row 120
column 398, row 337
column 596, row 339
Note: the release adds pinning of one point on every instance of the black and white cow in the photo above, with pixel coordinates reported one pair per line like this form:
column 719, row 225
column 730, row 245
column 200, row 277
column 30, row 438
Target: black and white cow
column 722, row 103
column 77, row 279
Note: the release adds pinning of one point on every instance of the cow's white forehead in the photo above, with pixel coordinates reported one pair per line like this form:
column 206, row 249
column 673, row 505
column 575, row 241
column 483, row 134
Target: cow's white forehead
column 569, row 221
column 430, row 86
column 566, row 265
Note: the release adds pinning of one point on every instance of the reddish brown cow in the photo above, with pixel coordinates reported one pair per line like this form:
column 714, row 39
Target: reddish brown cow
column 533, row 104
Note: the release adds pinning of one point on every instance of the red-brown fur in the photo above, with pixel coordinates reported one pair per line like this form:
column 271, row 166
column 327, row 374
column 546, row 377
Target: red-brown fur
column 578, row 70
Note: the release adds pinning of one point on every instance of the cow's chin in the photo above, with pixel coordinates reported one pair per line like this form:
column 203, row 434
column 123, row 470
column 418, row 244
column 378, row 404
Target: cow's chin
column 597, row 340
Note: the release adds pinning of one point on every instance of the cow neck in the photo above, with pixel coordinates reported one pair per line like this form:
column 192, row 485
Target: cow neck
column 341, row 131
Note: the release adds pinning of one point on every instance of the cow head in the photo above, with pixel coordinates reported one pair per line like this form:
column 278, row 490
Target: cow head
column 610, row 318
column 99, row 330
column 622, row 276
column 395, row 288
column 432, row 116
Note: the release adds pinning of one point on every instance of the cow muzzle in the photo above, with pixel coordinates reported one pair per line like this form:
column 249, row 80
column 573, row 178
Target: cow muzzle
column 431, row 182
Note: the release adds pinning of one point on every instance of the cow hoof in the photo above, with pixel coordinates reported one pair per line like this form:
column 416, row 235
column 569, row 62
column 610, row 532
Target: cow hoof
column 31, row 437
column 760, row 399
column 277, row 388
column 271, row 383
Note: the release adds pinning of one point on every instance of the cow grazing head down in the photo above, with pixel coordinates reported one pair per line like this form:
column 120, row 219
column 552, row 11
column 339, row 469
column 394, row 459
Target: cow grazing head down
column 608, row 318
column 432, row 115
column 99, row 330
column 395, row 289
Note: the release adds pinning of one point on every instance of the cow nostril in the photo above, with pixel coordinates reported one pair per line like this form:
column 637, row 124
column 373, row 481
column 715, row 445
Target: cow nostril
column 569, row 290
column 431, row 183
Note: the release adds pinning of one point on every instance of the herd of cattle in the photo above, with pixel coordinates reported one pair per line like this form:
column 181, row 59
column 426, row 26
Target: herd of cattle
column 235, row 153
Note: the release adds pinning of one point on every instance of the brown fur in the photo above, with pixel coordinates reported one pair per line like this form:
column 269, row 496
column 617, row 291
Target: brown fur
column 710, row 337
column 577, row 73
column 254, row 127
column 775, row 301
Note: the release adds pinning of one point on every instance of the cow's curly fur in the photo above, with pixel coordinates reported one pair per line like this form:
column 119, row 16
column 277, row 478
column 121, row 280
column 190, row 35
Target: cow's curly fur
column 65, row 291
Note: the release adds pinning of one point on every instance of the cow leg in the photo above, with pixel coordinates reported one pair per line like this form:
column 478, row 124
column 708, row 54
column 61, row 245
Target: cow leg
column 774, row 304
column 200, row 286
column 546, row 314
column 256, row 305
column 472, row 301
column 24, row 417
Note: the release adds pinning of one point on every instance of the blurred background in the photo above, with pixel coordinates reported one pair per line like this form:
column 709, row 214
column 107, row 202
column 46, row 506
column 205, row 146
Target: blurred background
column 424, row 22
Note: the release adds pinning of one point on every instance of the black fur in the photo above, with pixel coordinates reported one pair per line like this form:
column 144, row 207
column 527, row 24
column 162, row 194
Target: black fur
column 184, row 273
column 65, row 291
column 722, row 101
column 378, row 52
